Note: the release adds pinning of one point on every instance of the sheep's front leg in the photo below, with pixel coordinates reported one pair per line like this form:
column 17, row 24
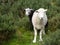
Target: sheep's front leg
column 35, row 35
column 41, row 31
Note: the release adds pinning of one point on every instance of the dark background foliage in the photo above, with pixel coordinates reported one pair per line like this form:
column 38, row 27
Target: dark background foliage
column 12, row 17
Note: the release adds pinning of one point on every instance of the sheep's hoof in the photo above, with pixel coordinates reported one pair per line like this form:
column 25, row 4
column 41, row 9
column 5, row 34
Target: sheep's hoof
column 34, row 41
column 41, row 40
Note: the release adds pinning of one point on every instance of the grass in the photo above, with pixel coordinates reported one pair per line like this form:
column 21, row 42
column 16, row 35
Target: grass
column 25, row 37
column 22, row 37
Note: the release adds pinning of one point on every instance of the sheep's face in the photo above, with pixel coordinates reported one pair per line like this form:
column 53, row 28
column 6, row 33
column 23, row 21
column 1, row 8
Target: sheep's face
column 42, row 12
column 28, row 11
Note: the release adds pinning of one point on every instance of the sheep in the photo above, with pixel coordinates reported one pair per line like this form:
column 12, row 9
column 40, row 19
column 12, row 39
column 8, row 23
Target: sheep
column 29, row 12
column 39, row 20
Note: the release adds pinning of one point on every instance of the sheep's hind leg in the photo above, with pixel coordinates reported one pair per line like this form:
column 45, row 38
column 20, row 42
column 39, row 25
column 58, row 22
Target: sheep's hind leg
column 41, row 31
column 35, row 35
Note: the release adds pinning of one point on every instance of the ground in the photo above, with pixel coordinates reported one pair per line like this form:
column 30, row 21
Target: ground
column 22, row 37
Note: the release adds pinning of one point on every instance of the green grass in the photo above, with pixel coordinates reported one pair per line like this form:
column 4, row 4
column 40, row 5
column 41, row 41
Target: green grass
column 22, row 37
column 25, row 37
column 11, row 15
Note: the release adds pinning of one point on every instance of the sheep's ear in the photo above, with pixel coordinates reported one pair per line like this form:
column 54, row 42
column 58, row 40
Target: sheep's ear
column 45, row 9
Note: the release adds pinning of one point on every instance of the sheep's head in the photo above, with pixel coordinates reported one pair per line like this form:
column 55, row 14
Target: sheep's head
column 28, row 11
column 41, row 12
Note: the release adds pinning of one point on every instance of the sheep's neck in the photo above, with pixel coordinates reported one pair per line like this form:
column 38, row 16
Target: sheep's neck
column 30, row 16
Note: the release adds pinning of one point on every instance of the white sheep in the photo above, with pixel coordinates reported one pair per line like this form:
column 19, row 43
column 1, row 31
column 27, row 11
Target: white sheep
column 39, row 20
